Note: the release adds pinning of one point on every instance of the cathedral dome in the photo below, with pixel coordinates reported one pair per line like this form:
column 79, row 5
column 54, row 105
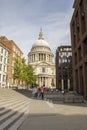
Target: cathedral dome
column 40, row 41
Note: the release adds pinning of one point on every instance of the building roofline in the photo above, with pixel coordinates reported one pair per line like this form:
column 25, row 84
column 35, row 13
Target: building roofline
column 2, row 44
column 4, row 38
column 75, row 3
column 15, row 45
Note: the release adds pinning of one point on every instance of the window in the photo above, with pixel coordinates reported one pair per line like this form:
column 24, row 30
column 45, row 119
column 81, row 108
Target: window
column 5, row 53
column 82, row 12
column 44, row 58
column 5, row 60
column 34, row 57
column 79, row 53
column 52, row 71
column 75, row 57
column 0, row 77
column 1, row 50
column 85, row 47
column 1, row 57
column 4, row 78
column 77, row 26
column 52, row 83
column 43, row 70
column 41, row 57
column 74, row 34
column 0, row 67
column 4, row 68
column 49, row 57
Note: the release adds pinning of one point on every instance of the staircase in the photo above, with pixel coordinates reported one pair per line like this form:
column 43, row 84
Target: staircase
column 14, row 109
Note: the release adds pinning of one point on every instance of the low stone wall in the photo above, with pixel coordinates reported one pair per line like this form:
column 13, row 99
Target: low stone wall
column 73, row 99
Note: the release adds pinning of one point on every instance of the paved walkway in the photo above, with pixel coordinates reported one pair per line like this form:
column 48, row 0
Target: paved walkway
column 18, row 111
column 44, row 115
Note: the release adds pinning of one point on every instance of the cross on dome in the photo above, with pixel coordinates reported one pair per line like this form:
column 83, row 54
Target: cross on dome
column 41, row 34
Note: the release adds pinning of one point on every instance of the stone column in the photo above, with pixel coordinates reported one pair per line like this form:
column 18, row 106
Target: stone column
column 62, row 84
column 68, row 84
column 45, row 81
column 40, row 81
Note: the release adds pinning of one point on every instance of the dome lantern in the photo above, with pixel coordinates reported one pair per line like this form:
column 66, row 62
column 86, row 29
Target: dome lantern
column 40, row 42
column 41, row 34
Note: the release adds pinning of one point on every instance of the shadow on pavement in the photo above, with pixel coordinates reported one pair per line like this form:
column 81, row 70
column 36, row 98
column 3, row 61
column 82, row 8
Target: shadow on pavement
column 54, row 122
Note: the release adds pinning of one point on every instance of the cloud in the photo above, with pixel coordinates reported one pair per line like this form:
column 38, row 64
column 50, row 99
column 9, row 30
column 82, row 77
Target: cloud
column 22, row 22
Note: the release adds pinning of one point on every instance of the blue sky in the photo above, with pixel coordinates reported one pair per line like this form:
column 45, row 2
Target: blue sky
column 20, row 21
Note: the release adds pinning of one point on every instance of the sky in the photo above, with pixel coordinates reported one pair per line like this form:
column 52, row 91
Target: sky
column 21, row 20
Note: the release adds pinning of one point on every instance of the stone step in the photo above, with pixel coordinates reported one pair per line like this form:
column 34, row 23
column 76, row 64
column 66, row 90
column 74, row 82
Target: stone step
column 8, row 101
column 9, row 93
column 2, row 108
column 19, row 122
column 11, row 120
column 4, row 111
column 14, row 109
column 2, row 97
column 11, row 106
column 11, row 112
column 11, row 100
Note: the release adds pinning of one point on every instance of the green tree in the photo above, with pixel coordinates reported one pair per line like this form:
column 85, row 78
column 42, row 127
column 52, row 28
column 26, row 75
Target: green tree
column 23, row 72
column 23, row 75
column 17, row 69
column 31, row 78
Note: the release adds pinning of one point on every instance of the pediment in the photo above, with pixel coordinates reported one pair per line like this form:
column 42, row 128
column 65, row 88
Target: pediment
column 44, row 64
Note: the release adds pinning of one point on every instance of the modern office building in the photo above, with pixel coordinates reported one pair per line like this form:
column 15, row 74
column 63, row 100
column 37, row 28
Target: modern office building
column 4, row 58
column 79, row 46
column 64, row 68
column 41, row 58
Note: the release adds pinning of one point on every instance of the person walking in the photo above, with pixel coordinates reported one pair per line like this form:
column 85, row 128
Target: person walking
column 42, row 92
column 35, row 92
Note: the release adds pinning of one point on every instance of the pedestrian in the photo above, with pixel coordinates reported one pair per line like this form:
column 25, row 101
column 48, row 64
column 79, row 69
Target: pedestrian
column 39, row 92
column 35, row 92
column 42, row 92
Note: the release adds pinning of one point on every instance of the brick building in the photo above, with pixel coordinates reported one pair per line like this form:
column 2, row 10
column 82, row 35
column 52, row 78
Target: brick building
column 79, row 46
column 14, row 50
column 64, row 68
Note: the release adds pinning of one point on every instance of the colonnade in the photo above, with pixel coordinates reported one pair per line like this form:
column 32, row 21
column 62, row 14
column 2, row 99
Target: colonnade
column 40, row 57
column 43, row 81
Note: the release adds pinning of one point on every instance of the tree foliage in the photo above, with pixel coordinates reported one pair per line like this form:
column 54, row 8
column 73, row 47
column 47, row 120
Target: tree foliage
column 31, row 78
column 17, row 68
column 23, row 72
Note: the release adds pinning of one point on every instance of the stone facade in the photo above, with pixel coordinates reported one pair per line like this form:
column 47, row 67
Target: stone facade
column 41, row 58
